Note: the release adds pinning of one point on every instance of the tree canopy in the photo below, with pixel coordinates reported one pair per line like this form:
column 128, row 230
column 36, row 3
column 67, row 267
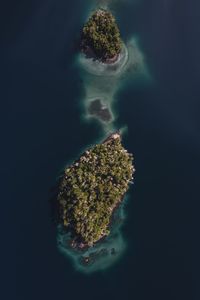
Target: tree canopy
column 101, row 35
column 92, row 187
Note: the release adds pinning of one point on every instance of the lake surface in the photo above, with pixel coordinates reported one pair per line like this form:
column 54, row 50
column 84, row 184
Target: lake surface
column 43, row 129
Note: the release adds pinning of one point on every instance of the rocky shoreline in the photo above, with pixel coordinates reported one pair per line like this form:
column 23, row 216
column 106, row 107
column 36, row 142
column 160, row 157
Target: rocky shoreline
column 89, row 53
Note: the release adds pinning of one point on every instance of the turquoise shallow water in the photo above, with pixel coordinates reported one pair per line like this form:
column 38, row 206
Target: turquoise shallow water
column 104, row 254
column 43, row 129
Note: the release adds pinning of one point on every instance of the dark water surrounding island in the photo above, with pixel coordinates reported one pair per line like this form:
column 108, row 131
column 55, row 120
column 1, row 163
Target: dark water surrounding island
column 41, row 130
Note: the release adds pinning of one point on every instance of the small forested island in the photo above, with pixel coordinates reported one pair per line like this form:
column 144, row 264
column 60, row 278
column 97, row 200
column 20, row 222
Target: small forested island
column 92, row 188
column 100, row 37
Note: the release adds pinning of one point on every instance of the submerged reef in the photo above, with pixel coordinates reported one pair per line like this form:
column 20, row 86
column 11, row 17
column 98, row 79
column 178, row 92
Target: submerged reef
column 91, row 189
column 102, row 73
column 102, row 81
column 98, row 109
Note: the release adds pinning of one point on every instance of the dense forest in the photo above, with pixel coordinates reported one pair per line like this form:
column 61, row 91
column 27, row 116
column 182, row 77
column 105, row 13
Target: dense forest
column 92, row 187
column 101, row 36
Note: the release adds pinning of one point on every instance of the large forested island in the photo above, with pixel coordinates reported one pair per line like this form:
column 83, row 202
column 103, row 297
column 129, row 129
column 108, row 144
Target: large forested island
column 92, row 188
column 101, row 37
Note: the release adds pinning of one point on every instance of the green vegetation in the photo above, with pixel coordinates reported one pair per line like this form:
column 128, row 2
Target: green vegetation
column 92, row 187
column 101, row 36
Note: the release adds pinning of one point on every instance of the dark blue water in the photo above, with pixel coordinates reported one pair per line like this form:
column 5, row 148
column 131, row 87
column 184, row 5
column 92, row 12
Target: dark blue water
column 41, row 130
